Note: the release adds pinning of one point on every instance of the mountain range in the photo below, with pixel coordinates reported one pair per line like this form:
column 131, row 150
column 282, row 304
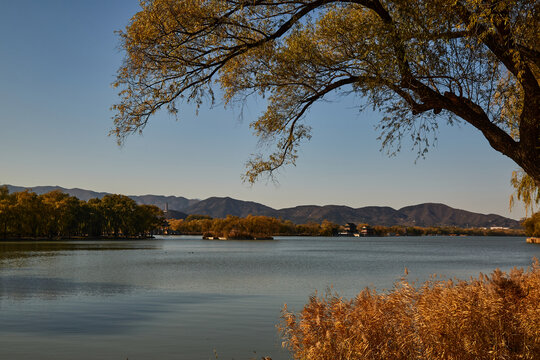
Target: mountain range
column 428, row 214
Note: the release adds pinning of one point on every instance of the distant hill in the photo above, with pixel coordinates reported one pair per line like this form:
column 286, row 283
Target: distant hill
column 177, row 203
column 79, row 193
column 173, row 202
column 439, row 214
column 219, row 207
column 173, row 214
column 429, row 214
column 375, row 215
column 420, row 215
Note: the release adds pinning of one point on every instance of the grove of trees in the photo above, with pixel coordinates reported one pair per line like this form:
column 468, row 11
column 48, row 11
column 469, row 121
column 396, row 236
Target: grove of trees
column 254, row 226
column 58, row 215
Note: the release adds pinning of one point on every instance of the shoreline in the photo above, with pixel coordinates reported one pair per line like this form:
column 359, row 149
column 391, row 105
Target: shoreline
column 92, row 238
column 531, row 240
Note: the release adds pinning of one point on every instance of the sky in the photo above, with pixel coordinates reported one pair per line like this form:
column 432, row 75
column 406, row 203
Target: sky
column 59, row 58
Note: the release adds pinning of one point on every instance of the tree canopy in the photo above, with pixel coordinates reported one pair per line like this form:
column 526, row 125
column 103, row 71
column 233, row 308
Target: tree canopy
column 527, row 191
column 419, row 62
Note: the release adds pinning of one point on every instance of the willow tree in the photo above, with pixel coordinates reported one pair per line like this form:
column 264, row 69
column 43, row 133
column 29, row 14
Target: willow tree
column 526, row 191
column 419, row 62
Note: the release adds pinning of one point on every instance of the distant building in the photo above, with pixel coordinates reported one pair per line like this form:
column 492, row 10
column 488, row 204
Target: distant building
column 349, row 229
column 366, row 231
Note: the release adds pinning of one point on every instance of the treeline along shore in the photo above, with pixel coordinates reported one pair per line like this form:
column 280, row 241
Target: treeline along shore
column 264, row 226
column 55, row 215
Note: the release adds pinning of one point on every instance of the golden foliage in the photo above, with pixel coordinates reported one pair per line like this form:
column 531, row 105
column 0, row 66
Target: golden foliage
column 527, row 191
column 491, row 317
column 532, row 225
column 257, row 226
column 54, row 214
column 474, row 60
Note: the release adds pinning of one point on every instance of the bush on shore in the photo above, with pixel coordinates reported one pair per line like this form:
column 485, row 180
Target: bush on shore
column 490, row 317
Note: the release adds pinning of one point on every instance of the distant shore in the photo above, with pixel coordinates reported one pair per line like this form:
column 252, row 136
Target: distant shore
column 247, row 238
column 75, row 238
column 532, row 240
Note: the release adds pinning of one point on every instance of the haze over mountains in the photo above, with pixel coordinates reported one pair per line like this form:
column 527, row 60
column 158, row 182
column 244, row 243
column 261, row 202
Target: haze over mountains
column 429, row 214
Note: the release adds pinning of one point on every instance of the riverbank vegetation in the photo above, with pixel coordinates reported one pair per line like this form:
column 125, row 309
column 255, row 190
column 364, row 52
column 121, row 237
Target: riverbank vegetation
column 443, row 230
column 58, row 215
column 264, row 226
column 490, row 317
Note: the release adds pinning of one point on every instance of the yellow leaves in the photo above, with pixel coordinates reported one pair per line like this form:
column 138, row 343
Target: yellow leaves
column 532, row 227
column 526, row 191
column 294, row 55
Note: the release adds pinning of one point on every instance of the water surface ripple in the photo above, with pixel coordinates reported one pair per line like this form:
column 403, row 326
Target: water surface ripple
column 183, row 297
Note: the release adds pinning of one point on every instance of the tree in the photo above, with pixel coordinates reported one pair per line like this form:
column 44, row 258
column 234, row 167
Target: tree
column 418, row 61
column 7, row 204
column 527, row 191
column 61, row 213
column 29, row 210
column 329, row 228
column 94, row 219
column 532, row 225
column 119, row 214
column 148, row 218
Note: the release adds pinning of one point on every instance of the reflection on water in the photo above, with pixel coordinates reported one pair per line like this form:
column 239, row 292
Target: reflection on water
column 21, row 287
column 15, row 249
column 182, row 297
column 97, row 317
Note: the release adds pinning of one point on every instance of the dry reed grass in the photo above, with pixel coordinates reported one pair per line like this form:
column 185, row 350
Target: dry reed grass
column 489, row 317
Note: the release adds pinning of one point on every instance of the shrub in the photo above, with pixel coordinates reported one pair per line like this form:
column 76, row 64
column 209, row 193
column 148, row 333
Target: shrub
column 532, row 225
column 491, row 317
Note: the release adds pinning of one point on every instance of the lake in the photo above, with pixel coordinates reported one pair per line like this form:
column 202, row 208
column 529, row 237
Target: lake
column 185, row 298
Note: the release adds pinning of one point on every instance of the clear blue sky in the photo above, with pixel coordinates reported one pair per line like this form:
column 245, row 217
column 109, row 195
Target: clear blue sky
column 58, row 59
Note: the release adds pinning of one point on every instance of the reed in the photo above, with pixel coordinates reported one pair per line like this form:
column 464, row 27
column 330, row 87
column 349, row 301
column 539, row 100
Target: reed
column 489, row 317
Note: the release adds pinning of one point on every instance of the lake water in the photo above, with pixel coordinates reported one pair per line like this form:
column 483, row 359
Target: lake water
column 184, row 298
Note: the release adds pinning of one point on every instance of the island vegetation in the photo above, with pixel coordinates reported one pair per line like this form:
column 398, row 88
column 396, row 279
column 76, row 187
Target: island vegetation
column 258, row 227
column 249, row 227
column 56, row 215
